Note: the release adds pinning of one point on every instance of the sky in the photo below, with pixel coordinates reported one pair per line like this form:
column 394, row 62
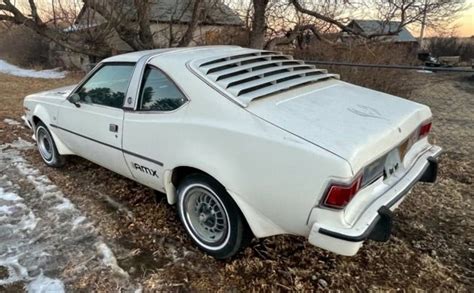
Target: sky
column 466, row 23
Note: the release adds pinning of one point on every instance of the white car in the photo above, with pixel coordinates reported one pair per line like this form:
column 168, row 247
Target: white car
column 246, row 142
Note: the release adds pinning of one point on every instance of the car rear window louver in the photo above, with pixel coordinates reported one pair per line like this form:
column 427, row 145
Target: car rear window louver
column 249, row 76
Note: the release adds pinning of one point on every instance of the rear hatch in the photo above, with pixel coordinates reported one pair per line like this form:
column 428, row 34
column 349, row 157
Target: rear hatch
column 355, row 123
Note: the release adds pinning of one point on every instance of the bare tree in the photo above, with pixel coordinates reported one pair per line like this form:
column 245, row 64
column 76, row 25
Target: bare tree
column 143, row 19
column 131, row 21
column 404, row 12
column 282, row 22
column 439, row 16
column 11, row 13
column 259, row 24
column 270, row 23
column 197, row 15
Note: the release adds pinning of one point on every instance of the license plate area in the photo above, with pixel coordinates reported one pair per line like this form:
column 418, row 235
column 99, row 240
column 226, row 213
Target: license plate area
column 407, row 144
column 395, row 158
column 392, row 163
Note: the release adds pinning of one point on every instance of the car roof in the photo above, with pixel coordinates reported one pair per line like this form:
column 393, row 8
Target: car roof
column 186, row 53
column 241, row 74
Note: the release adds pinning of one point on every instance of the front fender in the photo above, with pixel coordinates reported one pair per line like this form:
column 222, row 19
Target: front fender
column 44, row 115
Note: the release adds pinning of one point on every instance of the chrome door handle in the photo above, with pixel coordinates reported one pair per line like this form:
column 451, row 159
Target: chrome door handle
column 113, row 128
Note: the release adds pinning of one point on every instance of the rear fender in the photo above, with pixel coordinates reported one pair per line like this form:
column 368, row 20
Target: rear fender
column 260, row 225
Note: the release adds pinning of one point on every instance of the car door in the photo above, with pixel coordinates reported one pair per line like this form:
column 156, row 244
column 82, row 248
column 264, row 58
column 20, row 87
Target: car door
column 92, row 127
column 151, row 129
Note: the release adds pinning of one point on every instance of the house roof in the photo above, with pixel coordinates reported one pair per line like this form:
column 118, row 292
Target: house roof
column 377, row 26
column 181, row 11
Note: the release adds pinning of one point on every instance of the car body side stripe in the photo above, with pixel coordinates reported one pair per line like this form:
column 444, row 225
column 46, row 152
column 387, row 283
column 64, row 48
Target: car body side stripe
column 108, row 145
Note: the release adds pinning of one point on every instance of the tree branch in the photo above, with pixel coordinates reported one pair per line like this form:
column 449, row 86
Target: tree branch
column 128, row 31
column 34, row 11
column 293, row 35
column 340, row 25
column 35, row 24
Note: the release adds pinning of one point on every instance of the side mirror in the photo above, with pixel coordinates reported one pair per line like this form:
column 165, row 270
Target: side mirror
column 75, row 99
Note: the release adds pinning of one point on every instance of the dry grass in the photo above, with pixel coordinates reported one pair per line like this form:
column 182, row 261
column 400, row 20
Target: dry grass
column 387, row 80
column 14, row 89
column 452, row 47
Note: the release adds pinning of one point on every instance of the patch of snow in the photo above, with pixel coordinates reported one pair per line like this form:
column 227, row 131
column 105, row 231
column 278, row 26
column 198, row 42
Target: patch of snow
column 16, row 272
column 11, row 122
column 31, row 230
column 65, row 205
column 8, row 68
column 8, row 196
column 44, row 284
column 77, row 221
column 20, row 144
column 4, row 210
column 109, row 259
column 28, row 222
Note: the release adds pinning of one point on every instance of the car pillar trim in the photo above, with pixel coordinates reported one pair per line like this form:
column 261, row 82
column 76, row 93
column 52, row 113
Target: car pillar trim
column 111, row 146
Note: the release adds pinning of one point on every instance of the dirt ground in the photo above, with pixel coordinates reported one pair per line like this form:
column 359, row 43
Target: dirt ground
column 432, row 247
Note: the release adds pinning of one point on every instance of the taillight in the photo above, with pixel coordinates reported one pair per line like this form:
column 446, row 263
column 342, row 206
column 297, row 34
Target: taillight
column 338, row 196
column 424, row 130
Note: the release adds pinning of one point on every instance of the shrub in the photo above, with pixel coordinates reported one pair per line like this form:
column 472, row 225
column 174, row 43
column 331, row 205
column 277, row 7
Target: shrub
column 23, row 47
column 452, row 47
column 391, row 81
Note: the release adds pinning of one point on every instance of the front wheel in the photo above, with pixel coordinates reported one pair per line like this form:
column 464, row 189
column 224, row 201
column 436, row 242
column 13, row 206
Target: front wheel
column 47, row 148
column 211, row 217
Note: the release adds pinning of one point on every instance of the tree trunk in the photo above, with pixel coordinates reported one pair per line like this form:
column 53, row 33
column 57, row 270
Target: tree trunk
column 136, row 33
column 143, row 19
column 259, row 26
column 197, row 13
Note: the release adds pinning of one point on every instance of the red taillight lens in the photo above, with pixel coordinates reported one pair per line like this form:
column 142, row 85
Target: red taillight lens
column 339, row 196
column 424, row 130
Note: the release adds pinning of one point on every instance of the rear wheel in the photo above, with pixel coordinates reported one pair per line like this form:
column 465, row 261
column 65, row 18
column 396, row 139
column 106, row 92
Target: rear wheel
column 47, row 148
column 211, row 217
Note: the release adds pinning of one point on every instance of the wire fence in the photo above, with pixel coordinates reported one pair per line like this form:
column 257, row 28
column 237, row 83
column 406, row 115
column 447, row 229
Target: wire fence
column 405, row 67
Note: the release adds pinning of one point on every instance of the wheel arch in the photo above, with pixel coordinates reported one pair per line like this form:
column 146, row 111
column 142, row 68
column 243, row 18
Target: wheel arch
column 173, row 177
column 260, row 225
column 41, row 115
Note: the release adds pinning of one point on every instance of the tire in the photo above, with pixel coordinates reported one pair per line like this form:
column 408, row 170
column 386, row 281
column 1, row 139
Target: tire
column 211, row 218
column 47, row 148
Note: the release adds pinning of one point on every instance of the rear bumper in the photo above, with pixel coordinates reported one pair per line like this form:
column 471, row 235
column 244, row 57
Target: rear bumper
column 376, row 221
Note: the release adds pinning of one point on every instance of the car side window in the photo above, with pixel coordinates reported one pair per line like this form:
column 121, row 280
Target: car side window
column 108, row 85
column 158, row 92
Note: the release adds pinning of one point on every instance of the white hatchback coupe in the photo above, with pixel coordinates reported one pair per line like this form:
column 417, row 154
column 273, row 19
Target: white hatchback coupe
column 246, row 142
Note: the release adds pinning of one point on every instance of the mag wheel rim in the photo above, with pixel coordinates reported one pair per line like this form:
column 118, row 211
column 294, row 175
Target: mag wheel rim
column 206, row 215
column 45, row 144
